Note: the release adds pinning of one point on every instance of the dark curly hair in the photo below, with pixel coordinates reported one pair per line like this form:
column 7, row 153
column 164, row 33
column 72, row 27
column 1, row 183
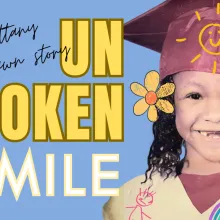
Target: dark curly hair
column 166, row 149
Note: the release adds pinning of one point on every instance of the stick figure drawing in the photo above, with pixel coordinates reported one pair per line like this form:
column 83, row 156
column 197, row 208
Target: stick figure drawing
column 143, row 199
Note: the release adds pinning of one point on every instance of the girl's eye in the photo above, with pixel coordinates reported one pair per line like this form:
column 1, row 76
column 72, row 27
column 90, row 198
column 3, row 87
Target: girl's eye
column 194, row 96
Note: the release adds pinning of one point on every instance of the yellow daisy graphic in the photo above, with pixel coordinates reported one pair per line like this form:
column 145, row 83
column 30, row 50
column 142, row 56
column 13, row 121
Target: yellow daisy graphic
column 152, row 96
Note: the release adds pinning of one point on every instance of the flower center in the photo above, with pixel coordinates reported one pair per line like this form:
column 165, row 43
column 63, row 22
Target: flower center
column 151, row 98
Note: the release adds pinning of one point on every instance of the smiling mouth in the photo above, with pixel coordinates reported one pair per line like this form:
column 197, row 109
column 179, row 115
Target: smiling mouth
column 214, row 45
column 210, row 134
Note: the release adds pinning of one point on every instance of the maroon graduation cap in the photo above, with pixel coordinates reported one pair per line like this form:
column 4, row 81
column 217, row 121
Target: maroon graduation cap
column 185, row 32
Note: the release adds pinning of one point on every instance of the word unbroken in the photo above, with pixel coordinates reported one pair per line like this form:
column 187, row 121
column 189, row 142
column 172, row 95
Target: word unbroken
column 107, row 47
column 107, row 112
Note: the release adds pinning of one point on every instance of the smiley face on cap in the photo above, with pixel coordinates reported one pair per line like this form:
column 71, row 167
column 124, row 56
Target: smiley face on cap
column 213, row 42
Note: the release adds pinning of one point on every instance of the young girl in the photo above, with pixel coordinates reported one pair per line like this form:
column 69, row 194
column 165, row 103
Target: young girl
column 187, row 34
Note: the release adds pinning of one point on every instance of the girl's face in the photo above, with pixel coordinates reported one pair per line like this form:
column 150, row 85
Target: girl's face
column 197, row 108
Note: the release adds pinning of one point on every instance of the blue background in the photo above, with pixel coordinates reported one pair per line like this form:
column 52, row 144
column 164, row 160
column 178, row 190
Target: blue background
column 138, row 130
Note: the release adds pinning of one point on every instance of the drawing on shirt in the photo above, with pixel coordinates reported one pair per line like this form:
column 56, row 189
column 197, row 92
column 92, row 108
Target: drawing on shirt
column 215, row 215
column 143, row 199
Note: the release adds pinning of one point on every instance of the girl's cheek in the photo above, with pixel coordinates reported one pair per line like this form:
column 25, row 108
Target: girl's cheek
column 187, row 110
column 185, row 114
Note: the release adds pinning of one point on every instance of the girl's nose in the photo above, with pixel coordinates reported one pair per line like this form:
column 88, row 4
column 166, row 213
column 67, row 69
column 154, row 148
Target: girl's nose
column 212, row 111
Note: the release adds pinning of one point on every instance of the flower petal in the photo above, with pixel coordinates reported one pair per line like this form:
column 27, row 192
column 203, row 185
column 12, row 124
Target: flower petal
column 140, row 107
column 138, row 89
column 152, row 113
column 164, row 106
column 166, row 90
column 152, row 80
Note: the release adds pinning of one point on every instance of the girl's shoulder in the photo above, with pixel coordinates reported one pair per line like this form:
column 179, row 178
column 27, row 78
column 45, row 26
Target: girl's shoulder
column 132, row 195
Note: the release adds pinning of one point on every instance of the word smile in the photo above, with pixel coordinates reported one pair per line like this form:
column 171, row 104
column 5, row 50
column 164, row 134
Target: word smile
column 28, row 171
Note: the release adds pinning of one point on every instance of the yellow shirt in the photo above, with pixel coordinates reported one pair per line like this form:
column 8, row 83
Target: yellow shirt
column 164, row 200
